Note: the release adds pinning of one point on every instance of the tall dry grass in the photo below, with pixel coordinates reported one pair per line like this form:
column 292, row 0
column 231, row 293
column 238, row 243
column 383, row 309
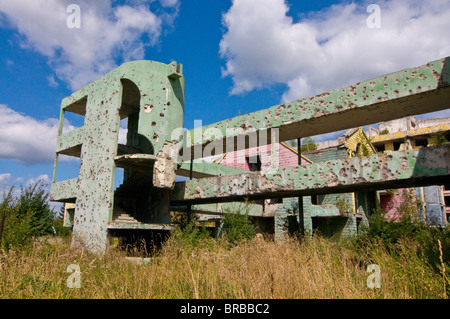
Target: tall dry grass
column 318, row 268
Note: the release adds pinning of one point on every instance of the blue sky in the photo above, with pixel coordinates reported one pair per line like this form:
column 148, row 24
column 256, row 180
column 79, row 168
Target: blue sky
column 238, row 56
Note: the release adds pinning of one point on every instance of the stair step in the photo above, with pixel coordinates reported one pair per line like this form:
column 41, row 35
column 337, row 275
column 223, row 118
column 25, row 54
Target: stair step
column 120, row 216
column 124, row 216
column 126, row 221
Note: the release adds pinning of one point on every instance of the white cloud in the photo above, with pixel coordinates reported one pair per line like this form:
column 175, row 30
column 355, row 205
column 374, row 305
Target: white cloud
column 169, row 3
column 6, row 184
column 107, row 34
column 52, row 82
column 27, row 140
column 4, row 180
column 329, row 49
column 123, row 136
column 263, row 46
column 30, row 141
column 123, row 130
column 44, row 179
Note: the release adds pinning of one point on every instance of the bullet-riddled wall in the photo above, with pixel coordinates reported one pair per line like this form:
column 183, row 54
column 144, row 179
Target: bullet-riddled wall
column 151, row 95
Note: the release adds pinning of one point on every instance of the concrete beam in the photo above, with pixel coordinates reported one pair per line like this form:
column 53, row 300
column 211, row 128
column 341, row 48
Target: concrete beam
column 139, row 226
column 64, row 191
column 405, row 134
column 201, row 169
column 136, row 162
column 425, row 166
column 408, row 92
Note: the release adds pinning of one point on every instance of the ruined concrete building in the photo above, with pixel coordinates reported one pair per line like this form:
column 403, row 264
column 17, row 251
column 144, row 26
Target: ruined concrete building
column 342, row 214
column 403, row 134
column 157, row 150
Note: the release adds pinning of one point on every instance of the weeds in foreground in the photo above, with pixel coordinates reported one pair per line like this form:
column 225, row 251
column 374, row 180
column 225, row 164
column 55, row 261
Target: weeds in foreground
column 316, row 268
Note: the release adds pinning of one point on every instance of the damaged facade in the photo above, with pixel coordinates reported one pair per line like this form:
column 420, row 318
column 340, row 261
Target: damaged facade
column 157, row 150
column 406, row 134
column 151, row 96
column 342, row 214
column 330, row 214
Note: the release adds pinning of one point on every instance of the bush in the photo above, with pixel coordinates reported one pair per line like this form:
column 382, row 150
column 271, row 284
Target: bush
column 60, row 230
column 34, row 199
column 237, row 227
column 17, row 231
column 190, row 235
column 26, row 217
column 430, row 247
column 392, row 233
column 308, row 145
column 406, row 226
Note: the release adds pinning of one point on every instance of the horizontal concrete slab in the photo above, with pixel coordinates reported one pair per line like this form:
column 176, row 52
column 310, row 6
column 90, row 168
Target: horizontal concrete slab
column 64, row 191
column 143, row 226
column 137, row 162
column 408, row 92
column 201, row 169
column 425, row 166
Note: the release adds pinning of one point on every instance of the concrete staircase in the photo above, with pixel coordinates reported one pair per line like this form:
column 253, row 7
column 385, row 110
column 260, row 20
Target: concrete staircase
column 133, row 185
column 120, row 216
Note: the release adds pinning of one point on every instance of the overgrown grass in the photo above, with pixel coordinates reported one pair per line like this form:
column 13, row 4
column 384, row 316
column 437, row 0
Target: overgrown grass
column 208, row 268
column 414, row 261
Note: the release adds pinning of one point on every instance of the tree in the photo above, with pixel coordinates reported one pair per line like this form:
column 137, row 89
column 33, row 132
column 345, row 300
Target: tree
column 438, row 138
column 237, row 225
column 308, row 145
column 26, row 216
column 34, row 199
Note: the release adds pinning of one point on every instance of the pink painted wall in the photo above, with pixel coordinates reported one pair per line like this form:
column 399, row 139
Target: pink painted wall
column 391, row 203
column 286, row 157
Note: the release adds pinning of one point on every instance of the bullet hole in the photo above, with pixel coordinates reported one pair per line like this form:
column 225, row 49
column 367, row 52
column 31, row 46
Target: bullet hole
column 148, row 108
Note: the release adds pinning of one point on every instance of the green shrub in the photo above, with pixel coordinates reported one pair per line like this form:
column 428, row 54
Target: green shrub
column 342, row 204
column 18, row 230
column 237, row 227
column 438, row 138
column 60, row 230
column 429, row 246
column 34, row 198
column 392, row 233
column 407, row 226
column 190, row 235
column 308, row 145
column 26, row 216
